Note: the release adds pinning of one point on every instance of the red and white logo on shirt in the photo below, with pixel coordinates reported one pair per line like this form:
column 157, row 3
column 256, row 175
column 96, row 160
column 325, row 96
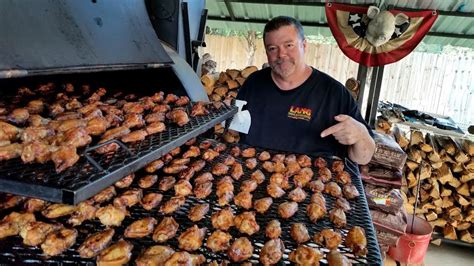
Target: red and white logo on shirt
column 297, row 112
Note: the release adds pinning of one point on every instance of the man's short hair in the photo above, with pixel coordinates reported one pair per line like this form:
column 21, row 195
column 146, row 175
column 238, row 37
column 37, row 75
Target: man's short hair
column 281, row 21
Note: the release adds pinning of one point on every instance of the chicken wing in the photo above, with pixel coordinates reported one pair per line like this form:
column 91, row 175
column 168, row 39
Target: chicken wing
column 129, row 198
column 105, row 195
column 316, row 186
column 337, row 166
column 210, row 155
column 183, row 188
column 34, row 205
column 268, row 166
column 248, row 185
column 246, row 223
column 154, row 117
column 273, row 229
column 8, row 131
column 320, row 162
column 198, row 165
column 140, row 228
column 328, row 238
column 272, row 252
column 154, row 166
column 248, row 153
column 303, row 255
column 236, row 171
column 263, row 204
column 155, row 256
column 133, row 108
column 58, row 241
column 218, row 241
column 187, row 174
column 166, row 183
column 240, row 250
column 275, row 191
column 315, row 212
column 192, row 152
column 220, row 169
column 203, row 190
column 258, row 176
column 151, row 201
column 34, row 233
column 178, row 116
column 65, row 157
column 165, row 230
column 223, row 219
column 19, row 116
column 147, row 181
column 184, row 258
column 235, row 151
column 172, row 204
column 84, row 211
column 264, row 156
column 155, row 127
column 244, row 200
column 174, row 168
column 251, row 163
column 324, row 174
column 13, row 223
column 280, row 180
column 95, row 243
column 117, row 254
column 304, row 160
column 334, row 257
column 338, row 217
column 356, row 241
column 333, row 189
column 299, row 233
column 191, row 239
column 199, row 109
column 57, row 210
column 287, row 209
column 10, row 151
column 198, row 212
column 343, row 178
column 343, row 204
column 96, row 126
column 111, row 215
column 137, row 135
column 350, row 191
column 297, row 195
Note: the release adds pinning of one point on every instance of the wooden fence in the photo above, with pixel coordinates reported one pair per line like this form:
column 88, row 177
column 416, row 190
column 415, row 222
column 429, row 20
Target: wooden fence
column 436, row 83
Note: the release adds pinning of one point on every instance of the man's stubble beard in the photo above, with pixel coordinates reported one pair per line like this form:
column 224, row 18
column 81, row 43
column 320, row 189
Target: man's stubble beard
column 276, row 67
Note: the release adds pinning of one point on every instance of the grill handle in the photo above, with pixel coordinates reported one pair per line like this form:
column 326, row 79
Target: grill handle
column 94, row 162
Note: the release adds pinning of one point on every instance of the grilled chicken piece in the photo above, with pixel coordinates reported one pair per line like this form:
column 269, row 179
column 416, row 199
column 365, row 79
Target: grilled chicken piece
column 316, row 186
column 218, row 241
column 35, row 106
column 199, row 109
column 210, row 155
column 268, row 166
column 65, row 157
column 172, row 204
column 137, row 135
column 154, row 166
column 303, row 255
column 304, row 160
column 34, row 205
column 246, row 223
column 333, row 189
column 319, row 199
column 299, row 233
column 187, row 174
column 35, row 121
column 280, row 180
column 198, row 212
column 140, row 228
column 279, row 158
column 235, row 151
column 220, row 169
column 155, row 127
column 111, row 215
column 117, row 254
column 273, row 229
column 170, row 98
column 205, row 144
column 324, row 174
column 337, row 166
column 248, row 153
column 264, row 156
column 240, row 250
column 57, row 242
column 55, row 109
column 297, row 195
column 202, row 190
column 19, row 116
column 338, row 217
column 67, row 124
column 165, row 230
column 192, row 152
column 236, row 171
column 258, row 176
column 335, row 258
column 343, row 204
column 229, row 160
column 105, row 195
column 73, row 105
column 292, row 168
column 76, row 137
column 184, row 258
column 115, row 133
column 13, row 223
column 158, row 97
column 155, row 117
column 114, row 121
column 167, row 183
column 198, row 165
column 10, row 201
column 272, row 252
column 34, row 233
column 95, row 243
column 133, row 108
column 320, row 162
column 174, row 168
column 151, row 201
column 37, row 133
column 248, row 185
column 96, row 113
column 225, row 190
column 328, row 238
column 178, row 116
column 356, row 241
column 183, row 188
column 251, row 163
column 220, row 147
column 203, row 178
column 147, row 181
column 287, row 209
column 191, row 239
column 133, row 120
column 350, row 191
column 279, row 167
column 275, row 191
column 223, row 219
column 84, row 211
column 343, row 178
column 9, row 131
column 129, row 198
column 161, row 108
column 10, row 151
column 57, row 210
column 244, row 200
column 315, row 212
column 155, row 256
column 263, row 204
column 96, row 126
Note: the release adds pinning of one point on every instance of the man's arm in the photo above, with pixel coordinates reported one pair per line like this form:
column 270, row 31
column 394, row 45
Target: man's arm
column 351, row 132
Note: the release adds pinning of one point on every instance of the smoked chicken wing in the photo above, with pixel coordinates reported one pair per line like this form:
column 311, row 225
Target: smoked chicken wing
column 165, row 230
column 58, row 241
column 272, row 252
column 192, row 238
column 140, row 228
column 218, row 241
column 95, row 243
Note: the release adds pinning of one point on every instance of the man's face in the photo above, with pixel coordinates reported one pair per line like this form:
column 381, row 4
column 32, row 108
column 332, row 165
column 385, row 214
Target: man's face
column 285, row 50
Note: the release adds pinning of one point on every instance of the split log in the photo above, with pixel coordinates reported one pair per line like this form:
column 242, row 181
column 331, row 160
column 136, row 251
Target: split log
column 449, row 232
column 468, row 147
column 416, row 137
column 466, row 236
column 463, row 226
column 414, row 154
column 457, row 167
column 445, row 192
column 412, row 180
column 208, row 81
column 463, row 190
column 447, row 202
column 453, row 211
column 232, row 84
column 440, row 222
column 411, row 165
column 247, row 71
column 444, row 174
column 461, row 157
column 223, row 78
column 461, row 200
column 431, row 216
column 425, row 170
column 233, row 73
column 426, row 147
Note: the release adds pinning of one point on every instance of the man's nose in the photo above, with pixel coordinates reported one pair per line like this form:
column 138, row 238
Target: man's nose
column 281, row 52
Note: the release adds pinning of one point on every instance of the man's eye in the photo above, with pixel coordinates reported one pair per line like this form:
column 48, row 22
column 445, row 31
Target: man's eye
column 271, row 49
column 290, row 45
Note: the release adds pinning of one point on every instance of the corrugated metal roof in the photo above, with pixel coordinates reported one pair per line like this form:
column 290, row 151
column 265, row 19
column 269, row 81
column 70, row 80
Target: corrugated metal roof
column 454, row 26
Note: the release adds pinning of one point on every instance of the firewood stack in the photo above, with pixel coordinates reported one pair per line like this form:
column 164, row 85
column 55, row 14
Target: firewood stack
column 445, row 168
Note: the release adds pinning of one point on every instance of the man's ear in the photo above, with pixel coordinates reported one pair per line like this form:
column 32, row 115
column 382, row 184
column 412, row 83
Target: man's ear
column 401, row 18
column 305, row 44
column 372, row 12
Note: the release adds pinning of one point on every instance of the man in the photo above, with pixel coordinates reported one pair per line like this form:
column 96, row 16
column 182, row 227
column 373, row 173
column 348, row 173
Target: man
column 296, row 108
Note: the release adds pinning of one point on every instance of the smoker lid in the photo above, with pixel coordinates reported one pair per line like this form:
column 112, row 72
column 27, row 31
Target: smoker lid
column 49, row 37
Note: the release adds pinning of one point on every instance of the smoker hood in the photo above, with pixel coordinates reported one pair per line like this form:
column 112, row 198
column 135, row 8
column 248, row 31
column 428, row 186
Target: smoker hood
column 41, row 37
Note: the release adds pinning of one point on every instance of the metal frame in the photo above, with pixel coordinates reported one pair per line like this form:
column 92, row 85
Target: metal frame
column 374, row 94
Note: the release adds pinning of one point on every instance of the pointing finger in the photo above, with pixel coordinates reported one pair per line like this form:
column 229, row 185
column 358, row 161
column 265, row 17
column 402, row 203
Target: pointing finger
column 331, row 130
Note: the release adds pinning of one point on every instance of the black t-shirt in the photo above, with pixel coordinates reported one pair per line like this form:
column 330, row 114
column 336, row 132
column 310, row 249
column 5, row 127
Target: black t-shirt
column 293, row 120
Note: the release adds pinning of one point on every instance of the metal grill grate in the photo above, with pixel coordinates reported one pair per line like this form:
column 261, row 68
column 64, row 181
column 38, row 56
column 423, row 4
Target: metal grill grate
column 14, row 252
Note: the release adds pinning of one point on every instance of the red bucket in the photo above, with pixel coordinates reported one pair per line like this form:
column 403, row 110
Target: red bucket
column 412, row 246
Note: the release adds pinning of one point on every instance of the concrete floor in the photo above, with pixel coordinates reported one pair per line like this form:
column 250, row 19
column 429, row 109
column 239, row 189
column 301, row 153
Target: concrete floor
column 444, row 255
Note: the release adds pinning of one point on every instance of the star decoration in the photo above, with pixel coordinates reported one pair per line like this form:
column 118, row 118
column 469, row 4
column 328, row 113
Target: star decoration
column 398, row 32
column 354, row 17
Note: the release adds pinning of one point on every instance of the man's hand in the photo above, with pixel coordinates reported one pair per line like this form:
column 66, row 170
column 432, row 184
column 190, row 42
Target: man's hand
column 348, row 131
column 354, row 134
